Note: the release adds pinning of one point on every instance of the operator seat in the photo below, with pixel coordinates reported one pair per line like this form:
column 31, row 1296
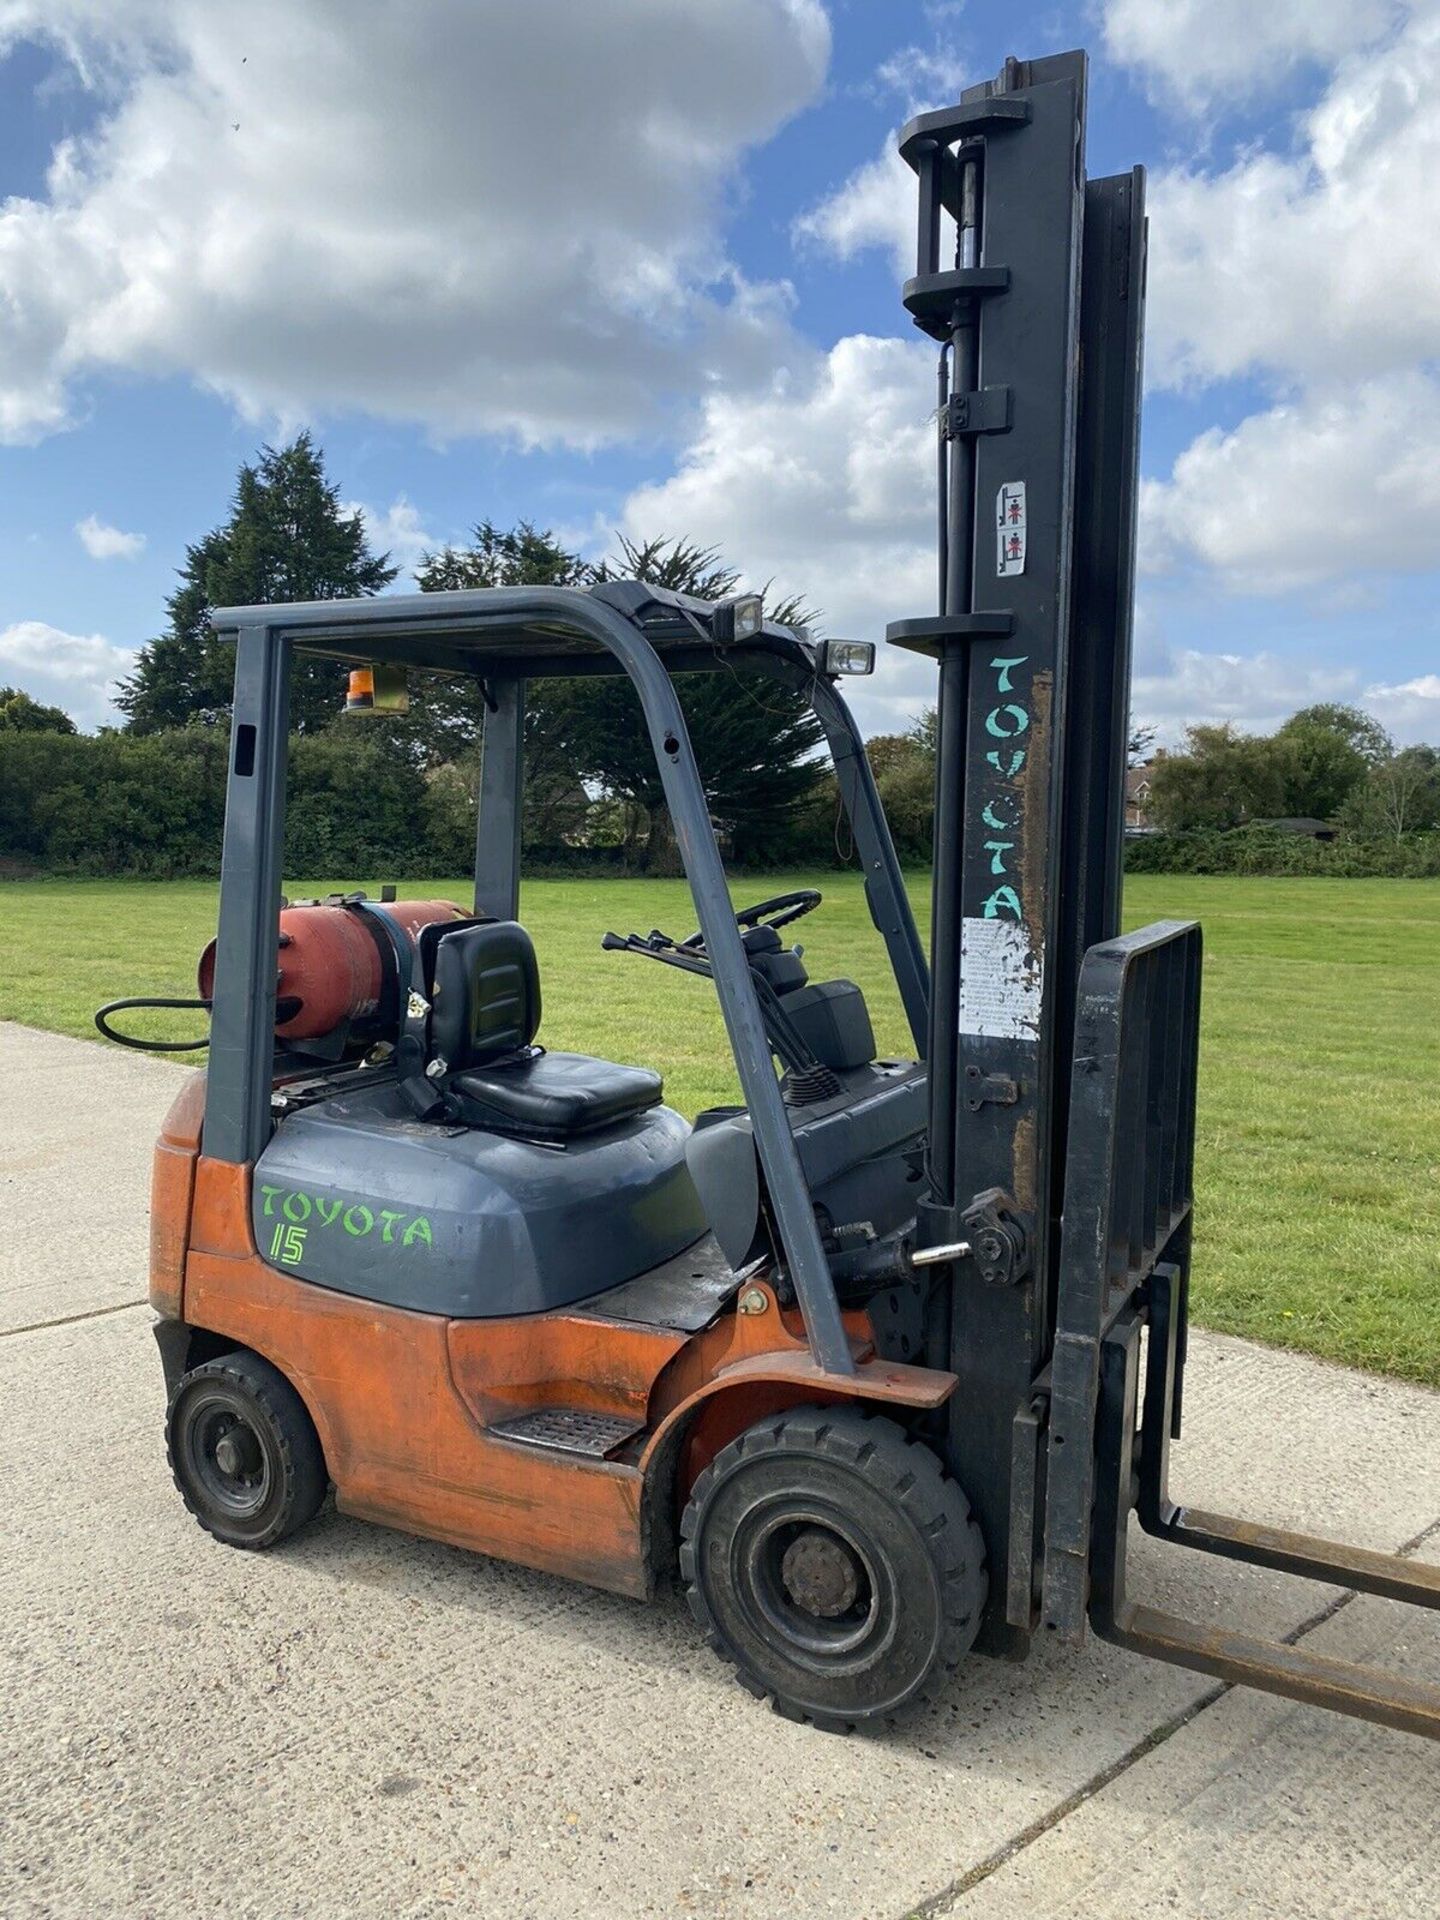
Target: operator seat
column 485, row 1009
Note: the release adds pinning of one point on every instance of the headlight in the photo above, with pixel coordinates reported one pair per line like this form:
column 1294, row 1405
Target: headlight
column 738, row 619
column 848, row 656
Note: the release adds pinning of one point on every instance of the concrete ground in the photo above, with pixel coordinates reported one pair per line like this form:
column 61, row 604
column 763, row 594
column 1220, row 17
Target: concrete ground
column 365, row 1724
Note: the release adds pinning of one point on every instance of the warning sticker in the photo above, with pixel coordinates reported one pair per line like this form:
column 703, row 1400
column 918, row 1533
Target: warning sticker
column 1000, row 980
column 1010, row 528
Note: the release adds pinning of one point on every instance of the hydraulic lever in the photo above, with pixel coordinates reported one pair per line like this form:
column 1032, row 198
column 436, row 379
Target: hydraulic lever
column 814, row 1081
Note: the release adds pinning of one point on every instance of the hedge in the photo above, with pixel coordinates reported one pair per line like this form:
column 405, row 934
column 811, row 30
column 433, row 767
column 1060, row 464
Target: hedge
column 1262, row 851
column 110, row 804
column 153, row 805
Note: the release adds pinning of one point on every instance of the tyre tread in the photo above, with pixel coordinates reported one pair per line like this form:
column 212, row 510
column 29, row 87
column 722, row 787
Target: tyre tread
column 897, row 1466
column 302, row 1462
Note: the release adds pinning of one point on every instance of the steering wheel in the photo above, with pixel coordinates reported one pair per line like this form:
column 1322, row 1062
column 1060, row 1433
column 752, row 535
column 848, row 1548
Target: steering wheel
column 776, row 913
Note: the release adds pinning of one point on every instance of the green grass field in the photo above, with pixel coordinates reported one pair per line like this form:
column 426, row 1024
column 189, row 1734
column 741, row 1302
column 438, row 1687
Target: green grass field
column 1318, row 1216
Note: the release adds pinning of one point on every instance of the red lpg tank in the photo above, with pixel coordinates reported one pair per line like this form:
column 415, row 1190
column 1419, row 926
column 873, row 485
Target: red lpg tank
column 330, row 960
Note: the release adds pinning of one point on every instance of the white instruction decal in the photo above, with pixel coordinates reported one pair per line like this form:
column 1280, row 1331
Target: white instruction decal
column 1010, row 528
column 1000, row 980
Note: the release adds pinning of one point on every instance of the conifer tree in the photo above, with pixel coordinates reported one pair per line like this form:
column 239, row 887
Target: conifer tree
column 754, row 739
column 286, row 539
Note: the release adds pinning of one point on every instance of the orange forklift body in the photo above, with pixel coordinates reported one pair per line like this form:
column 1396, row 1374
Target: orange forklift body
column 405, row 1403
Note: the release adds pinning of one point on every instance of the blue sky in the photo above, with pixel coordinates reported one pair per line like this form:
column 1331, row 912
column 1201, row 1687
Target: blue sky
column 637, row 266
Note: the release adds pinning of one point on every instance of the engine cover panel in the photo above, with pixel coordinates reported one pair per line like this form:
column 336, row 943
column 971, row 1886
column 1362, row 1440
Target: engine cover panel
column 356, row 1194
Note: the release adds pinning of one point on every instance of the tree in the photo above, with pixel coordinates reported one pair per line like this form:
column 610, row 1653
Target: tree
column 522, row 557
column 286, row 539
column 926, row 732
column 1222, row 779
column 754, row 739
column 904, row 769
column 1325, row 762
column 1401, row 795
column 353, row 805
column 1138, row 744
column 1357, row 729
column 1322, row 759
column 20, row 714
column 918, row 746
column 446, row 714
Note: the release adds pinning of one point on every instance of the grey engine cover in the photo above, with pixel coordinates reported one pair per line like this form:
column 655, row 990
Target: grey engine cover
column 356, row 1194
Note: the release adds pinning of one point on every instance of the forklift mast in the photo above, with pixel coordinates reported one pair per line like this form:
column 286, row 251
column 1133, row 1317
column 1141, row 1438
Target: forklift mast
column 1031, row 280
column 1062, row 1054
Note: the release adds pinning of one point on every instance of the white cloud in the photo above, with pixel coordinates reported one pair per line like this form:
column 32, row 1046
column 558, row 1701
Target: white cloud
column 825, row 484
column 1289, row 264
column 477, row 216
column 1310, row 271
column 1178, row 687
column 396, row 530
column 1201, row 52
column 1312, row 490
column 1409, row 708
column 71, row 670
column 103, row 542
column 1309, row 265
column 1308, row 268
column 923, row 77
column 875, row 207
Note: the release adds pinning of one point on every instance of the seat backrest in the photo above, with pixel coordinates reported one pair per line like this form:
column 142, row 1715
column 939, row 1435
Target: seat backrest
column 486, row 1001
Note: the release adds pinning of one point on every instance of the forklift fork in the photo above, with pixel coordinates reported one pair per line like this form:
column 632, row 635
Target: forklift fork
column 1132, row 1476
column 1119, row 1361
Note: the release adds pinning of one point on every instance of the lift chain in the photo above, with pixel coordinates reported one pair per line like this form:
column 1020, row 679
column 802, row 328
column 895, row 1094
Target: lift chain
column 998, row 1242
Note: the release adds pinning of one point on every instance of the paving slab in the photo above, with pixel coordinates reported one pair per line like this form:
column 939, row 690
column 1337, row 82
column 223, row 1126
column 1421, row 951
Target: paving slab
column 364, row 1724
column 77, row 1125
column 1255, row 1808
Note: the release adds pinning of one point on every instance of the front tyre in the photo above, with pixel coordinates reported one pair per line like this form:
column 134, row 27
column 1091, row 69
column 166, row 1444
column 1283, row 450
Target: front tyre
column 243, row 1451
column 831, row 1559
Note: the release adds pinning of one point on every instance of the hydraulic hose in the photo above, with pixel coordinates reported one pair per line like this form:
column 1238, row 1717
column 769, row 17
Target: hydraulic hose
column 150, row 1046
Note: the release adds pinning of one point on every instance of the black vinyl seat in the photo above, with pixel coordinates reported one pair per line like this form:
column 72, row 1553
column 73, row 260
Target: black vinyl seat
column 485, row 1010
column 553, row 1095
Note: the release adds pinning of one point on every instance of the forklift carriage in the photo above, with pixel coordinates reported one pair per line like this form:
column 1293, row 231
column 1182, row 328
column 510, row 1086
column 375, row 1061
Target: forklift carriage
column 885, row 1359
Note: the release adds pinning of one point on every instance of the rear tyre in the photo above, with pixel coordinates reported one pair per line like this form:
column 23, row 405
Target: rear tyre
column 243, row 1451
column 831, row 1559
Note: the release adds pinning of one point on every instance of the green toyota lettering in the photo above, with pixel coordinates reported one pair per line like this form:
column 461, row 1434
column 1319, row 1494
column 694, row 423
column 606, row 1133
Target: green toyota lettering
column 353, row 1217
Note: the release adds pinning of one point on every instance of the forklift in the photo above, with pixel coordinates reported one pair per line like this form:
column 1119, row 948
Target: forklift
column 882, row 1361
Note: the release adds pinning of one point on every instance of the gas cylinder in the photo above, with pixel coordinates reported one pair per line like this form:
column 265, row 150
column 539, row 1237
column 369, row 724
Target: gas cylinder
column 332, row 961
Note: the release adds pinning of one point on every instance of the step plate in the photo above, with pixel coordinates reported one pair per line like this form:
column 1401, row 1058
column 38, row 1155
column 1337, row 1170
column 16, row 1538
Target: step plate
column 569, row 1430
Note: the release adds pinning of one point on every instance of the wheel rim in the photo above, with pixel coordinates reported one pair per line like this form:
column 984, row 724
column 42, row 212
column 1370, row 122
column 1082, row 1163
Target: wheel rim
column 226, row 1456
column 811, row 1582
